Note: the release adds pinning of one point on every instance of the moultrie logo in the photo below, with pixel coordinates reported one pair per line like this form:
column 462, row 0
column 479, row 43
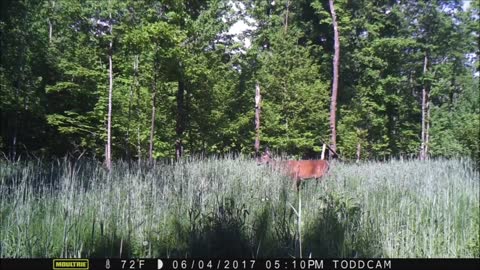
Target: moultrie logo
column 64, row 264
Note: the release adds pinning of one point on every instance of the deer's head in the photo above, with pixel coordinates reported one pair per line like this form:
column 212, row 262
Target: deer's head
column 266, row 157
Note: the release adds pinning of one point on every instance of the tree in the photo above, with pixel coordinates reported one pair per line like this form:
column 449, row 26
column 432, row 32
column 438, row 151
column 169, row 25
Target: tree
column 425, row 113
column 258, row 102
column 179, row 83
column 108, row 154
column 23, row 65
column 336, row 64
column 295, row 98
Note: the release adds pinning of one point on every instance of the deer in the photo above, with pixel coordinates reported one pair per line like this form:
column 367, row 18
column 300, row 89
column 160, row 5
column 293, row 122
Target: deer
column 297, row 170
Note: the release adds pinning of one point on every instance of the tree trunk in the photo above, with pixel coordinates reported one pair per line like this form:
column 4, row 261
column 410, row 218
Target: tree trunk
column 258, row 100
column 336, row 63
column 129, row 119
column 13, row 152
column 359, row 150
column 50, row 24
column 186, row 109
column 152, row 127
column 50, row 30
column 286, row 15
column 180, row 128
column 138, row 113
column 108, row 157
column 324, row 147
column 425, row 113
column 18, row 85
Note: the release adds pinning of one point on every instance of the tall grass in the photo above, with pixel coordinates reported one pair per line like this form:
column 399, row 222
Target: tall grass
column 225, row 207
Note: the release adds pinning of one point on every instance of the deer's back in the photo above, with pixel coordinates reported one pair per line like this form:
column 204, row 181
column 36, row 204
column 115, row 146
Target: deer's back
column 304, row 169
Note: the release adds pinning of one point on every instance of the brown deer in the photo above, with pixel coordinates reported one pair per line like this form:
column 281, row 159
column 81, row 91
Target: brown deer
column 298, row 170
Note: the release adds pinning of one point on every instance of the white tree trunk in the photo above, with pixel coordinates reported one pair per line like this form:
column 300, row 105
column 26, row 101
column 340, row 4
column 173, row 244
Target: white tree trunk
column 152, row 127
column 50, row 23
column 258, row 100
column 324, row 147
column 359, row 150
column 336, row 63
column 108, row 154
column 425, row 114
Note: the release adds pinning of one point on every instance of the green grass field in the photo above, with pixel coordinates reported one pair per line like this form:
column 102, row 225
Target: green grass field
column 232, row 207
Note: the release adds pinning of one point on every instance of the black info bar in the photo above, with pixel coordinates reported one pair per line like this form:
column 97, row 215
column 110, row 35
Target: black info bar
column 234, row 264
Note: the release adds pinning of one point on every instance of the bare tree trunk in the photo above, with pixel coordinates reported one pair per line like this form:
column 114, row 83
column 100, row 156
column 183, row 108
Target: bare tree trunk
column 286, row 16
column 50, row 24
column 336, row 63
column 19, row 84
column 324, row 147
column 186, row 109
column 423, row 149
column 180, row 128
column 50, row 30
column 138, row 112
column 359, row 150
column 108, row 156
column 13, row 152
column 152, row 127
column 132, row 89
column 258, row 100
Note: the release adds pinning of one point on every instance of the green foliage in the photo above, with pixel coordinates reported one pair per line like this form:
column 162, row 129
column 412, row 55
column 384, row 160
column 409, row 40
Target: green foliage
column 54, row 77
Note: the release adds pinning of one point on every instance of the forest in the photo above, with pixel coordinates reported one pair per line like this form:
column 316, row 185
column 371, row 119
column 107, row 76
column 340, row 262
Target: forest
column 131, row 128
column 147, row 80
